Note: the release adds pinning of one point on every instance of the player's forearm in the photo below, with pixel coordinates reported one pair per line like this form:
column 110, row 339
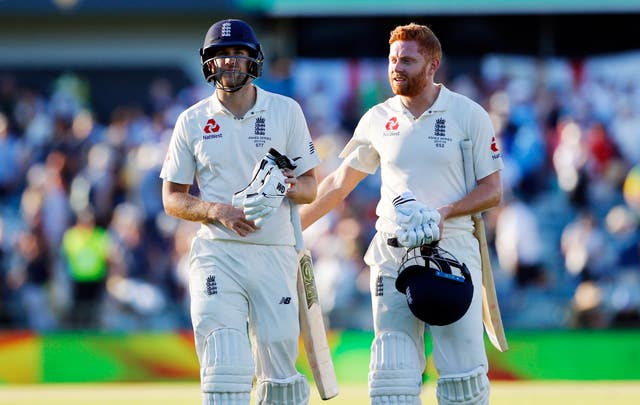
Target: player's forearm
column 487, row 195
column 329, row 196
column 332, row 190
column 187, row 207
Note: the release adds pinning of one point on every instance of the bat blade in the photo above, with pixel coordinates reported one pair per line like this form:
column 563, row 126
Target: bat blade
column 490, row 309
column 312, row 329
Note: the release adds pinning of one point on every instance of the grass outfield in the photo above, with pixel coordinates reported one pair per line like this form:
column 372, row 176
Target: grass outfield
column 503, row 393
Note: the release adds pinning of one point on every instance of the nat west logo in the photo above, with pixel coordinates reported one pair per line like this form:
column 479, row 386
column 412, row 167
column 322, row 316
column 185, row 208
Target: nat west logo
column 391, row 127
column 494, row 148
column 392, row 124
column 211, row 129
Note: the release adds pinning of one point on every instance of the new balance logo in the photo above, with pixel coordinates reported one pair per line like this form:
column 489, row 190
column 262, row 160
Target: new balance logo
column 285, row 300
column 212, row 287
column 312, row 148
column 379, row 287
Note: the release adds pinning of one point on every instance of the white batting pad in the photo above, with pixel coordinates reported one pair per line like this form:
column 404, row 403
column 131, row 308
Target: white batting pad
column 227, row 363
column 226, row 398
column 290, row 391
column 395, row 369
column 464, row 389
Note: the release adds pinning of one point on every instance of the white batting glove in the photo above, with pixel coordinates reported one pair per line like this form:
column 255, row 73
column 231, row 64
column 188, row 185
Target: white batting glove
column 264, row 194
column 417, row 223
column 258, row 176
column 260, row 205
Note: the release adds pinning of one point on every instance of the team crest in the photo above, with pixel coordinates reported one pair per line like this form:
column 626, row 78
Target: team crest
column 439, row 136
column 211, row 285
column 379, row 287
column 260, row 126
column 259, row 136
column 440, row 127
column 226, row 29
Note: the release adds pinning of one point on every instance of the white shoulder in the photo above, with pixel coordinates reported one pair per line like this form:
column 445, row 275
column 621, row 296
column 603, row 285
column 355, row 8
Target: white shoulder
column 193, row 110
column 466, row 107
column 280, row 100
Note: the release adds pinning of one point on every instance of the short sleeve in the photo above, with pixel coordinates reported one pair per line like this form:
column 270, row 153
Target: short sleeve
column 179, row 164
column 486, row 155
column 299, row 142
column 359, row 153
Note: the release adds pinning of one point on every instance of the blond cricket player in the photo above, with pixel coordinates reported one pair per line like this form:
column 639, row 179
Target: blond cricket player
column 243, row 265
column 414, row 138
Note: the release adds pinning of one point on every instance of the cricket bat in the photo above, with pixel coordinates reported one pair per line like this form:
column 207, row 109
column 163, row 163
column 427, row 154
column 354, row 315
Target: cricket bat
column 311, row 321
column 490, row 309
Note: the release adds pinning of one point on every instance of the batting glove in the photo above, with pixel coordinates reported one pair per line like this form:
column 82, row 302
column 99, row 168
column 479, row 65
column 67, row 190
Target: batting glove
column 265, row 201
column 264, row 194
column 417, row 223
column 258, row 175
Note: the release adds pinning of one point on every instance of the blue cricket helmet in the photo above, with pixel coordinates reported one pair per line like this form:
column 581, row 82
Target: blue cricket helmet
column 438, row 287
column 231, row 32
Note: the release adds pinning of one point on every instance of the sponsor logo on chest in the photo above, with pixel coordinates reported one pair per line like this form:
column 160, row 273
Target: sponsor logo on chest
column 391, row 127
column 211, row 130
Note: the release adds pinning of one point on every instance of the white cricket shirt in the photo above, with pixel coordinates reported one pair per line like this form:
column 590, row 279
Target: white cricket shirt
column 221, row 150
column 423, row 154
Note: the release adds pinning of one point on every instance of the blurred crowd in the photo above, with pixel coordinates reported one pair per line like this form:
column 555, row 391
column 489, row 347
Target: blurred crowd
column 84, row 241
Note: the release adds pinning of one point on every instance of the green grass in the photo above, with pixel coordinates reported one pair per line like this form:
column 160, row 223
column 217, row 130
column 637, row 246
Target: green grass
column 503, row 393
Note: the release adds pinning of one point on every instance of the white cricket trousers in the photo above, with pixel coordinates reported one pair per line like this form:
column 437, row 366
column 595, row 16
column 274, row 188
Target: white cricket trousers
column 457, row 348
column 245, row 286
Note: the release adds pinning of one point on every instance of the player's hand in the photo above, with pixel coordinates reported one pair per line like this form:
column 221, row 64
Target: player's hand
column 292, row 181
column 417, row 223
column 231, row 218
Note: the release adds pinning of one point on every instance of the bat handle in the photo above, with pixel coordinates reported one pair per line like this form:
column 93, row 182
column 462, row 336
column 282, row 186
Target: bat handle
column 297, row 226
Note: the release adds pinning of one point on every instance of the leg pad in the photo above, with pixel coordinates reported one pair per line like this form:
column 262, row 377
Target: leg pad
column 290, row 391
column 395, row 374
column 464, row 389
column 227, row 363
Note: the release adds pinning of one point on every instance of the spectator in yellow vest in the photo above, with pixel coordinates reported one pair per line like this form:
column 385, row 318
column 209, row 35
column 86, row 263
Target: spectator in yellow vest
column 85, row 249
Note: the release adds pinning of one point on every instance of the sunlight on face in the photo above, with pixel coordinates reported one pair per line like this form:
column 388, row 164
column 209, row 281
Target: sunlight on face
column 408, row 68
